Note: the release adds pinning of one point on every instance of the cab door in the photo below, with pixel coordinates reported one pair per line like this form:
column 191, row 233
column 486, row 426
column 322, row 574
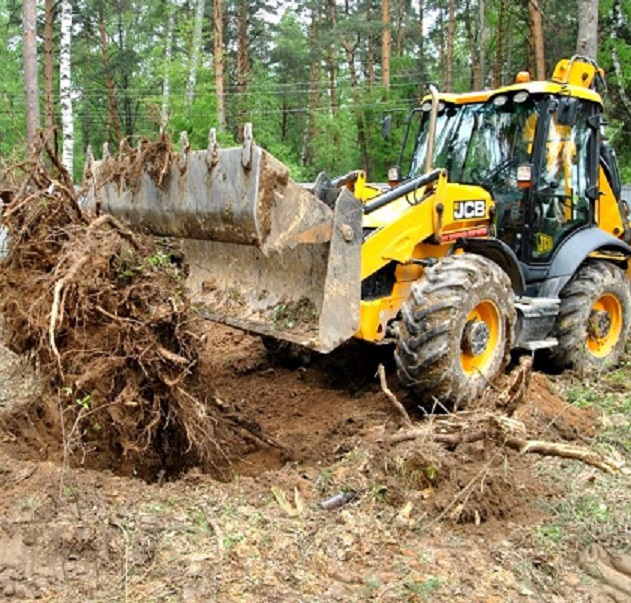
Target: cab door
column 565, row 187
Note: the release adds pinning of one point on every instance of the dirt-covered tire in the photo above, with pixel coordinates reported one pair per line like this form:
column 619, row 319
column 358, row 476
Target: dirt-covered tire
column 287, row 354
column 594, row 319
column 456, row 330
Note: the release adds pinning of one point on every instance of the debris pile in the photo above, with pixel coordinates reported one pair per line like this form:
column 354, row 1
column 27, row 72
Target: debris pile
column 103, row 314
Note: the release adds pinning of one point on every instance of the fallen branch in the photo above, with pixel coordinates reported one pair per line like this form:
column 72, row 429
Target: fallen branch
column 565, row 451
column 497, row 432
column 518, row 387
column 611, row 569
column 395, row 402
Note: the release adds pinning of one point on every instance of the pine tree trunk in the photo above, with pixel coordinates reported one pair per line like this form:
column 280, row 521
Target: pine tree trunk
column 471, row 40
column 536, row 34
column 29, row 55
column 49, row 67
column 482, row 41
column 330, row 56
column 587, row 38
column 421, row 47
column 451, row 29
column 441, row 49
column 306, row 155
column 243, row 64
column 386, row 43
column 113, row 121
column 218, row 64
column 499, row 50
column 198, row 27
column 370, row 48
column 618, row 24
column 128, row 103
column 400, row 27
column 65, row 85
column 166, row 76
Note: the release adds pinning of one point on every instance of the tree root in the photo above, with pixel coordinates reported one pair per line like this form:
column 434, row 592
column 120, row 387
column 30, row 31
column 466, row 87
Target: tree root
column 613, row 570
column 498, row 430
column 395, row 402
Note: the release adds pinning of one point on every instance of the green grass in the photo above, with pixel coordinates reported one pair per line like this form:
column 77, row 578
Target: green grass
column 589, row 505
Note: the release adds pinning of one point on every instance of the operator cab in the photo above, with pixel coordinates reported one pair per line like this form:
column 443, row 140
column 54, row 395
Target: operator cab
column 533, row 146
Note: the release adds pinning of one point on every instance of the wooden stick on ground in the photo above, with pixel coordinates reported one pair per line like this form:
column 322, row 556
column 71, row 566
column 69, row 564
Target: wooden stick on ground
column 523, row 446
column 590, row 457
column 381, row 371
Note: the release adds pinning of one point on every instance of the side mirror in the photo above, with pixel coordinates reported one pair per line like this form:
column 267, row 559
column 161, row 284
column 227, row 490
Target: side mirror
column 567, row 110
column 386, row 122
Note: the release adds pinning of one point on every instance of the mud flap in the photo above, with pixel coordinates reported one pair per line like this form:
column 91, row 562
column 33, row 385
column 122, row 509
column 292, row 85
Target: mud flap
column 265, row 254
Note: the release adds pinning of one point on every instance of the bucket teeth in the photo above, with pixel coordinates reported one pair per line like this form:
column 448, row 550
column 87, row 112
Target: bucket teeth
column 212, row 155
column 185, row 147
column 248, row 143
column 89, row 160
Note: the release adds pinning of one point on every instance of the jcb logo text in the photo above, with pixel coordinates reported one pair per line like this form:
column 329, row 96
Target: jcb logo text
column 466, row 210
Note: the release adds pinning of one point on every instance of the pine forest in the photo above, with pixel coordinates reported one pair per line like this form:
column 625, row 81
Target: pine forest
column 317, row 78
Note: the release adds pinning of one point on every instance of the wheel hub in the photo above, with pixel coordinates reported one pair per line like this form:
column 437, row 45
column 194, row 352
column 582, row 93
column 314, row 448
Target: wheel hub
column 475, row 337
column 599, row 324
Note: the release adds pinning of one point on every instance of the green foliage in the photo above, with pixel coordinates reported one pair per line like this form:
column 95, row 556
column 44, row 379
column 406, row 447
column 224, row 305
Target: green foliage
column 288, row 93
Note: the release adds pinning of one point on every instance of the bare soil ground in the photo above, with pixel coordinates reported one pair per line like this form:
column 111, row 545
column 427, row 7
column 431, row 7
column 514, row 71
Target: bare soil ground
column 426, row 523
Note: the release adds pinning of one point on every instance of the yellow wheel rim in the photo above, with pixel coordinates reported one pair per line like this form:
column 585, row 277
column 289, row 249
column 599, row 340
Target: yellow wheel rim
column 481, row 337
column 604, row 325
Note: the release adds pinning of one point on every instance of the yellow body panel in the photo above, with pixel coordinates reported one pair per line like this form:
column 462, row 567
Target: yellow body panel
column 574, row 87
column 407, row 231
column 607, row 211
column 364, row 191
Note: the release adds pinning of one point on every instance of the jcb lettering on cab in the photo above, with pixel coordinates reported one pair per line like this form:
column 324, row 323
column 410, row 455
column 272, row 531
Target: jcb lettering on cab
column 466, row 210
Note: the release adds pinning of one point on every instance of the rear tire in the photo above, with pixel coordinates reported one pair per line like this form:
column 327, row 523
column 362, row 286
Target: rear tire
column 594, row 319
column 456, row 330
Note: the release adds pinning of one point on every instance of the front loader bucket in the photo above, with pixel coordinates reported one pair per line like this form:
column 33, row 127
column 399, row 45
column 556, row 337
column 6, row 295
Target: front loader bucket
column 265, row 254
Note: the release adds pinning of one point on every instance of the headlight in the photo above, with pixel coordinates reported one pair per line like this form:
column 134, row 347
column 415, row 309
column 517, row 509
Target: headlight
column 500, row 101
column 520, row 97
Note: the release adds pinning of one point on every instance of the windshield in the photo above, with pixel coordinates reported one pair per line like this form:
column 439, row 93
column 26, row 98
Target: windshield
column 476, row 143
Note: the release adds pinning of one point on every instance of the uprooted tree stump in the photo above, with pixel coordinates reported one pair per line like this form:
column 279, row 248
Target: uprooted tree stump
column 103, row 314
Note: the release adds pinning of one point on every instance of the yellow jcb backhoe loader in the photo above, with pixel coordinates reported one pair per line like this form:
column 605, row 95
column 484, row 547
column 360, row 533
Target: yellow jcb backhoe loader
column 507, row 231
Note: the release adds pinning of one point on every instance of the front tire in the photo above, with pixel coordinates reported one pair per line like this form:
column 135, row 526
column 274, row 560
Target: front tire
column 594, row 319
column 456, row 330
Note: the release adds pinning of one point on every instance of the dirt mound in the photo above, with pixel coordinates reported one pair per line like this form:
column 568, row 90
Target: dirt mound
column 549, row 415
column 103, row 314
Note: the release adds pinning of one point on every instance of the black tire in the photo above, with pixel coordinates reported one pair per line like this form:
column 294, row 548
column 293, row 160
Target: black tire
column 594, row 319
column 287, row 354
column 431, row 333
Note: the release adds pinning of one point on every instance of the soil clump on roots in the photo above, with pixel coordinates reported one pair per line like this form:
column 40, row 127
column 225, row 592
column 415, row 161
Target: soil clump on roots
column 102, row 313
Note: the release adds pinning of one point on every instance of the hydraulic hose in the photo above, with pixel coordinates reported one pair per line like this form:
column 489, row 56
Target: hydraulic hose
column 402, row 189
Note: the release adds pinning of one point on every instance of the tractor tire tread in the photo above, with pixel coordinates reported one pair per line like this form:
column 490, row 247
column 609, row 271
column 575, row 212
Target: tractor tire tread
column 427, row 352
